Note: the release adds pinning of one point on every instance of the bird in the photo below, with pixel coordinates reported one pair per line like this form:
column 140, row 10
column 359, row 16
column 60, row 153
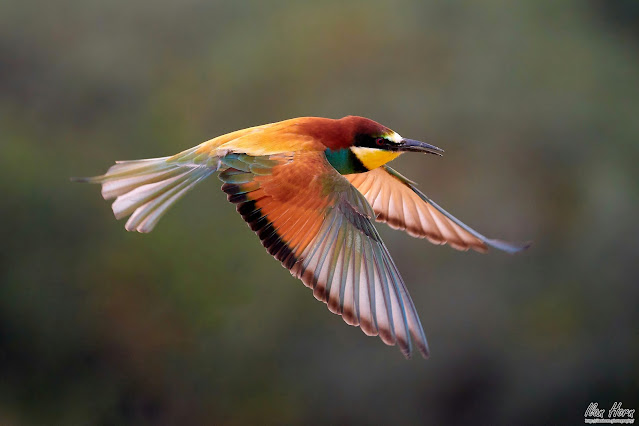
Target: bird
column 311, row 189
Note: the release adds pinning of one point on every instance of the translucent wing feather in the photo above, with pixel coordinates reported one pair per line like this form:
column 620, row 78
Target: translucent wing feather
column 397, row 202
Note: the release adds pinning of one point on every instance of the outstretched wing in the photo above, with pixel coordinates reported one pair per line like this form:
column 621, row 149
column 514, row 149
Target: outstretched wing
column 311, row 219
column 397, row 201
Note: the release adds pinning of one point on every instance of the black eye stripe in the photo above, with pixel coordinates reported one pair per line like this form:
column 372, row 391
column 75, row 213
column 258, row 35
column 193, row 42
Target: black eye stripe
column 368, row 141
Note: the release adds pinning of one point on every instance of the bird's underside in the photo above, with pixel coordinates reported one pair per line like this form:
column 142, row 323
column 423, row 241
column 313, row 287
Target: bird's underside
column 315, row 221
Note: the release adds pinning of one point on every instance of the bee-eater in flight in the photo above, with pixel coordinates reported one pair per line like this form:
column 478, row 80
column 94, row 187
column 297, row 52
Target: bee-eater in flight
column 311, row 188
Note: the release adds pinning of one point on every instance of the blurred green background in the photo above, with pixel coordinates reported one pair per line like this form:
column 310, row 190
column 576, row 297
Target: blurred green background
column 536, row 104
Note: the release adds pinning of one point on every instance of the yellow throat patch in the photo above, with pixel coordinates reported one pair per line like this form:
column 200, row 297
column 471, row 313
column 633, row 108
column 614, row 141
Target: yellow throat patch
column 373, row 158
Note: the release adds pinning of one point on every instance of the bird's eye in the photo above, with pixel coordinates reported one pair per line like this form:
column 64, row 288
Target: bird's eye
column 379, row 141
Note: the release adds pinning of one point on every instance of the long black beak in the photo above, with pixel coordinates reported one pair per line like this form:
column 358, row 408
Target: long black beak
column 411, row 145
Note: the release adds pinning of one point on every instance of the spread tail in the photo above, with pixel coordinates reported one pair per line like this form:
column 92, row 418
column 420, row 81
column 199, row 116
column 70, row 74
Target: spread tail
column 145, row 189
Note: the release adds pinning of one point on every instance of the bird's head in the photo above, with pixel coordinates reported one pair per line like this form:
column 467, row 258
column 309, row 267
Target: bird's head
column 374, row 145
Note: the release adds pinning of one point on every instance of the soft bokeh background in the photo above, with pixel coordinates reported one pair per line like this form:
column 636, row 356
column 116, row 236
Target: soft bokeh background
column 536, row 104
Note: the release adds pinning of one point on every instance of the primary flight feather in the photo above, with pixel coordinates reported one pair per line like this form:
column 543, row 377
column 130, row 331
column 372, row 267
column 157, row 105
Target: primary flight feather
column 311, row 188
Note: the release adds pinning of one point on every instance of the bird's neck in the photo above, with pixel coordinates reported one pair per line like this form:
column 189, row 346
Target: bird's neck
column 345, row 161
column 358, row 160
